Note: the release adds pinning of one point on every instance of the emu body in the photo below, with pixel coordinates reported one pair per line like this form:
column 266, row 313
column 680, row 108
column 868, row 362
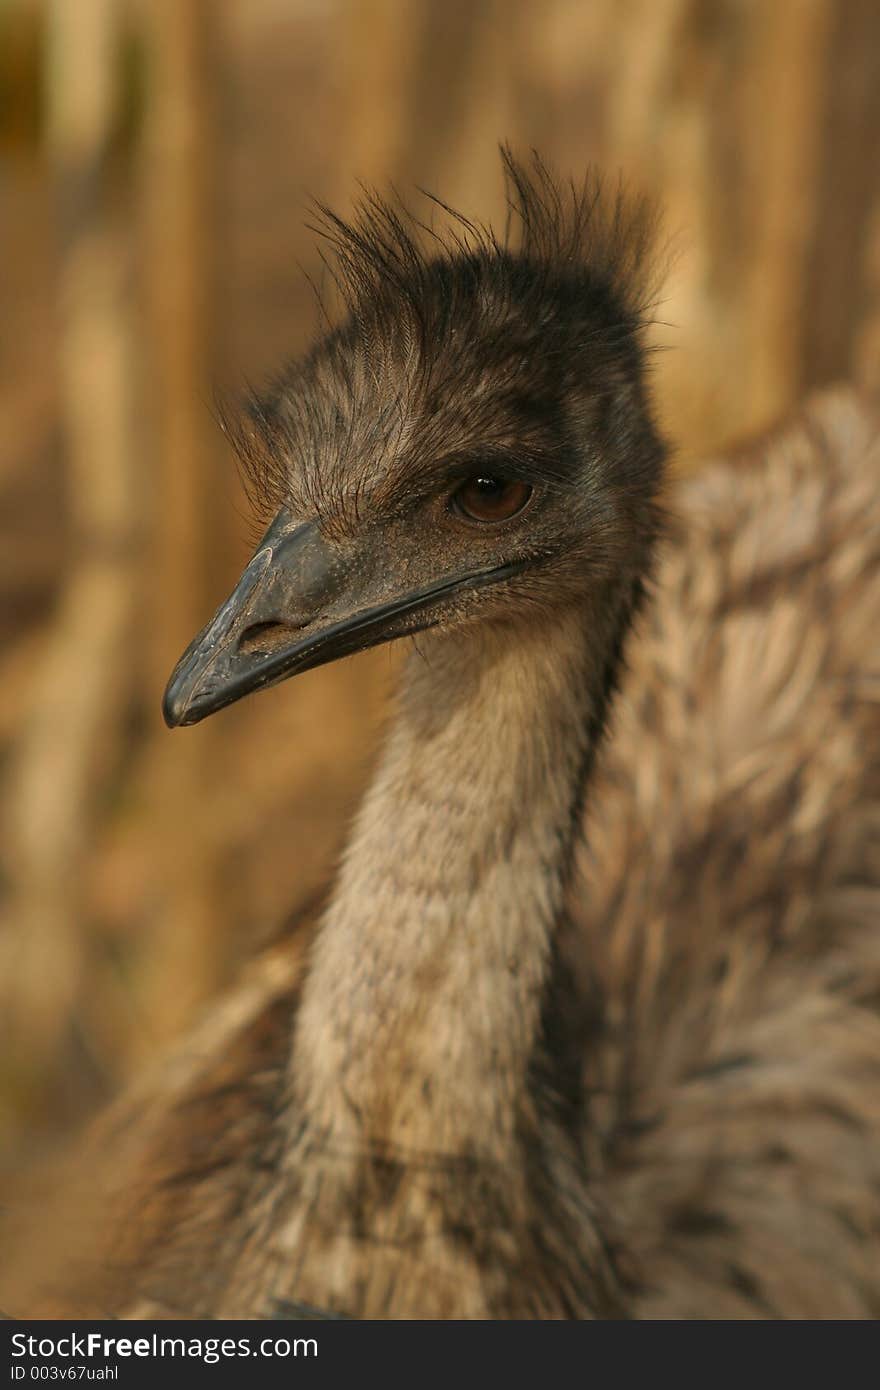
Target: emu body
column 551, row 1051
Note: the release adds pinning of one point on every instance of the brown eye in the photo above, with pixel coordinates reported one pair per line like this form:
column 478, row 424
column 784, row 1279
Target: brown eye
column 491, row 499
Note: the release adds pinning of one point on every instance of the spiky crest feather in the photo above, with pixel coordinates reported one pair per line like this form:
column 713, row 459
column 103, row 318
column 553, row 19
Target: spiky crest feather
column 580, row 259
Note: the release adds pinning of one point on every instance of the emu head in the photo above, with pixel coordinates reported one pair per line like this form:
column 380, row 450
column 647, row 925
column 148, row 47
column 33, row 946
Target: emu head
column 472, row 443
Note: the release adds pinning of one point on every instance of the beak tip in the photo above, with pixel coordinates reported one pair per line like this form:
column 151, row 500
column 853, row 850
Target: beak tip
column 187, row 700
column 171, row 711
column 176, row 703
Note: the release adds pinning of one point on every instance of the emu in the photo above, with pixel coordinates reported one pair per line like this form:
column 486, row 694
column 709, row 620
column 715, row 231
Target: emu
column 588, row 1028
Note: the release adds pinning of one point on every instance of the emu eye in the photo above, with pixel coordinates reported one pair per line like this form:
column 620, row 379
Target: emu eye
column 485, row 498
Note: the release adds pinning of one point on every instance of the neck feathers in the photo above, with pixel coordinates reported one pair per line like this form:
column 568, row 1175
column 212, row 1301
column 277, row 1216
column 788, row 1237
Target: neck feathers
column 430, row 1162
column 422, row 1013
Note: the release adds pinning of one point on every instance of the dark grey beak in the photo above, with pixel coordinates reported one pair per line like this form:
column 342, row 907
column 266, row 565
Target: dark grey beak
column 292, row 610
column 251, row 641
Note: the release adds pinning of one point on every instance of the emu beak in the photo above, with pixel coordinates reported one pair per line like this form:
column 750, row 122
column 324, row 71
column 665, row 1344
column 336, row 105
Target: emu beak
column 299, row 604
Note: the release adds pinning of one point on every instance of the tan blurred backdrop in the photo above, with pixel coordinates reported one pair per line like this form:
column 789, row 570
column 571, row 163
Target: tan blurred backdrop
column 156, row 161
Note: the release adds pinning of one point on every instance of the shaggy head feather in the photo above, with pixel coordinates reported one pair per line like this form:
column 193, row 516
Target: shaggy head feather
column 458, row 350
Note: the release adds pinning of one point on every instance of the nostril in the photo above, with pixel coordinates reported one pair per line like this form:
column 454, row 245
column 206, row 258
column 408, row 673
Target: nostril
column 261, row 639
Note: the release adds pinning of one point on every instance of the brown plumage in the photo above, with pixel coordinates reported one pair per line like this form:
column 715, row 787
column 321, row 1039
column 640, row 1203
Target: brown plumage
column 539, row 1060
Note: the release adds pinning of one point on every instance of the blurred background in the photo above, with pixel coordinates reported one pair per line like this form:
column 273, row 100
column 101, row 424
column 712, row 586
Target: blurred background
column 156, row 162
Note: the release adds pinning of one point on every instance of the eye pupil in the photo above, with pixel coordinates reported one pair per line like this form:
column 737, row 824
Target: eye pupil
column 486, row 498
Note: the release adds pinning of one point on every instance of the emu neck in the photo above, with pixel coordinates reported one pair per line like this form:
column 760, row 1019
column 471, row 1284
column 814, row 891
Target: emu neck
column 422, row 1011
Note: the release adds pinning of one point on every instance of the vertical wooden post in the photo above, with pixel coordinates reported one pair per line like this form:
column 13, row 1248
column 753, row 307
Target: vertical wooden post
column 75, row 705
column 177, row 195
